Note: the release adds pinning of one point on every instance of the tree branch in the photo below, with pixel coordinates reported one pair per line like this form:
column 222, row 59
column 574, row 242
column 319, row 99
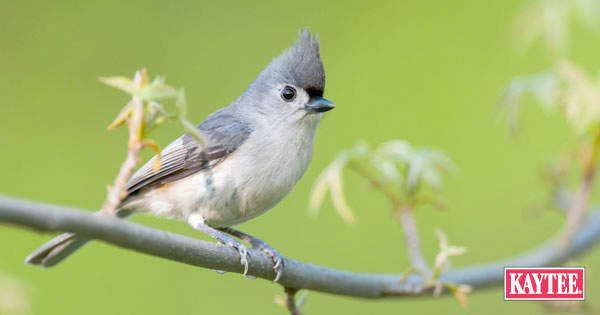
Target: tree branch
column 50, row 218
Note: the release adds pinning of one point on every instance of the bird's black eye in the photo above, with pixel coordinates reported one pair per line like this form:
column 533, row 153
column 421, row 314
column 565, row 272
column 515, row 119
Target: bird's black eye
column 288, row 93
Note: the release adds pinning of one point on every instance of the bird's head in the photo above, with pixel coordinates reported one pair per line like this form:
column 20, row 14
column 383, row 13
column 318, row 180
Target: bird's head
column 290, row 89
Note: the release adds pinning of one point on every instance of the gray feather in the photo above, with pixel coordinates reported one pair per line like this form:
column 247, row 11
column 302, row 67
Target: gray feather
column 183, row 157
column 299, row 65
column 60, row 247
column 55, row 250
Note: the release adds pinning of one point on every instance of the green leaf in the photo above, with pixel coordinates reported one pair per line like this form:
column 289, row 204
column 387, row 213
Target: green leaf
column 546, row 20
column 157, row 90
column 588, row 13
column 331, row 179
column 121, row 83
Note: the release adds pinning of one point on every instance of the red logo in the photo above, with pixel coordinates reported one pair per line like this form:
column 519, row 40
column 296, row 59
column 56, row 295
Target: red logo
column 544, row 283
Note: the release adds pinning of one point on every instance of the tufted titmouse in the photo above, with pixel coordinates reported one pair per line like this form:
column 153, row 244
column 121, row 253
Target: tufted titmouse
column 258, row 148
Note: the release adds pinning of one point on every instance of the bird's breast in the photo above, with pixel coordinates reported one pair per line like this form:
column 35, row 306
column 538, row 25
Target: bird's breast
column 272, row 168
column 250, row 181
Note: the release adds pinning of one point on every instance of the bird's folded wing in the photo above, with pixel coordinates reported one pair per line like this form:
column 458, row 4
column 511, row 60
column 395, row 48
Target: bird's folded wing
column 183, row 157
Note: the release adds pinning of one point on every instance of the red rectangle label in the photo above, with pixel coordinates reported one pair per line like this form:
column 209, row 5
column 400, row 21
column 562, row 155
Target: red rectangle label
column 539, row 283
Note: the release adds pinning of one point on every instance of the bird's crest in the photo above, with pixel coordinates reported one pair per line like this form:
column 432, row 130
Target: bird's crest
column 300, row 64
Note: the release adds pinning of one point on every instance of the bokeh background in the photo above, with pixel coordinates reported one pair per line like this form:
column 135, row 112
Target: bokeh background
column 427, row 72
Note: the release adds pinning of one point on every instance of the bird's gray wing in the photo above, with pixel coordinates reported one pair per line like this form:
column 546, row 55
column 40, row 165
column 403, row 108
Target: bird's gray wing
column 183, row 157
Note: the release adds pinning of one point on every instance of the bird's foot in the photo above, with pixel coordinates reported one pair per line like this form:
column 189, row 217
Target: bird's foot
column 273, row 254
column 196, row 221
column 259, row 244
column 241, row 249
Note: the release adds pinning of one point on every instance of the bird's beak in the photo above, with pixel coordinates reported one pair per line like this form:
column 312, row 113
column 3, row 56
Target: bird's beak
column 319, row 105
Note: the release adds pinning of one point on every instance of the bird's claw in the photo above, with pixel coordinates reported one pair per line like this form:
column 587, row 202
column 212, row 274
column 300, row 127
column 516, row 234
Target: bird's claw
column 241, row 249
column 276, row 257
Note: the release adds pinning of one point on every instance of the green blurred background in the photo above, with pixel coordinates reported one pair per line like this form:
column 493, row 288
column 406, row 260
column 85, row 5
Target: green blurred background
column 427, row 72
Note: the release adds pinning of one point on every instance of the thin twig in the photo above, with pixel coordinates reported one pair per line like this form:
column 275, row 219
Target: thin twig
column 411, row 235
column 579, row 203
column 290, row 300
column 135, row 122
column 297, row 274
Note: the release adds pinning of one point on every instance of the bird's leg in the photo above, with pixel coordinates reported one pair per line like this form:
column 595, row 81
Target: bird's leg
column 197, row 222
column 262, row 246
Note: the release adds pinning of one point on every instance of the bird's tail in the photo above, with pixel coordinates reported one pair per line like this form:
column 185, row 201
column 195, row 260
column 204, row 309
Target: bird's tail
column 60, row 247
column 56, row 250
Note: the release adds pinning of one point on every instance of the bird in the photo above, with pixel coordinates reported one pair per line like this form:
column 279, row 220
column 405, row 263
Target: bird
column 257, row 149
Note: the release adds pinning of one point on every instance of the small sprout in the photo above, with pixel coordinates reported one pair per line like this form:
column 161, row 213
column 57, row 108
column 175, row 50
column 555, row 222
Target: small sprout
column 441, row 262
column 542, row 86
column 147, row 91
column 430, row 281
column 446, row 251
column 395, row 168
column 580, row 97
column 319, row 190
column 154, row 112
column 567, row 88
column 387, row 168
column 398, row 150
column 549, row 21
column 588, row 14
column 122, row 83
column 122, row 117
column 422, row 165
column 158, row 90
column 401, row 152
column 460, row 292
column 331, row 179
